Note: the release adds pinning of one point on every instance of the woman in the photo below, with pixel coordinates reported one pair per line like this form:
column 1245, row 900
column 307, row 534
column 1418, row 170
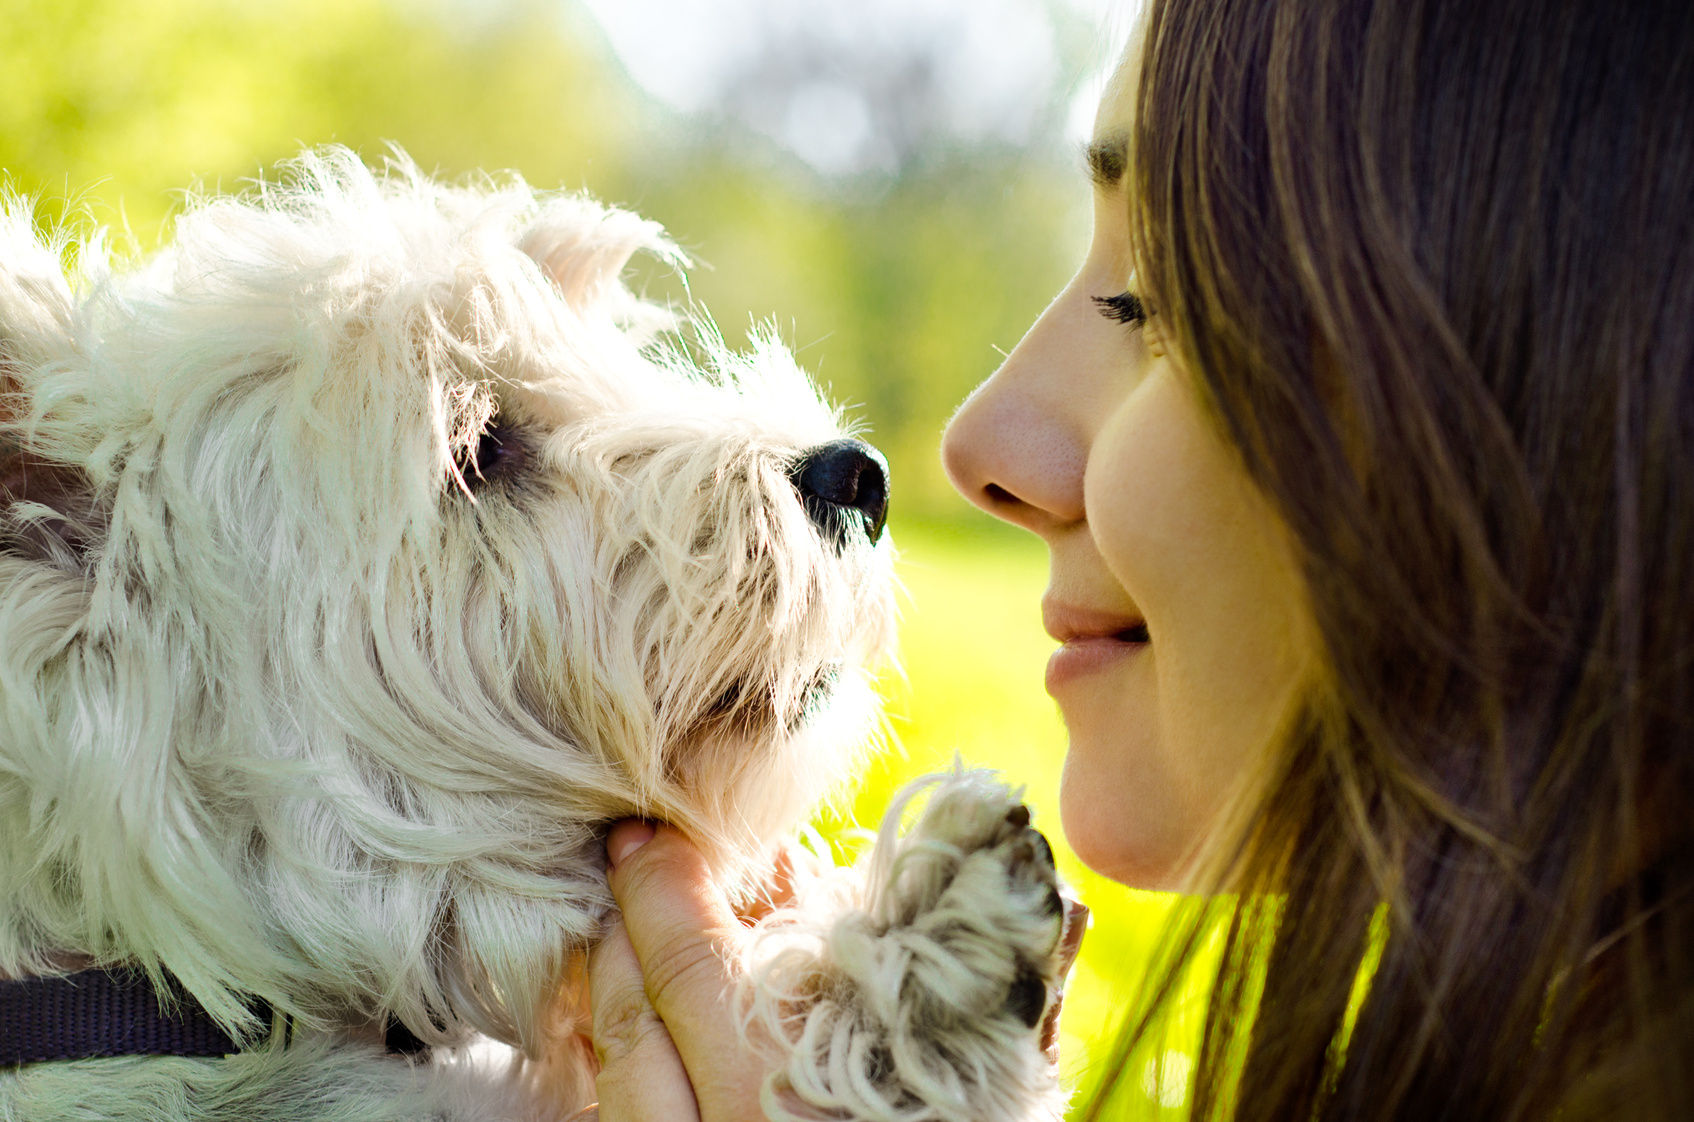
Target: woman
column 1370, row 502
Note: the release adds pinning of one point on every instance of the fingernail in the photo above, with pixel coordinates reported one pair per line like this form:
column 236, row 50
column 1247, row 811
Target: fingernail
column 1076, row 926
column 627, row 837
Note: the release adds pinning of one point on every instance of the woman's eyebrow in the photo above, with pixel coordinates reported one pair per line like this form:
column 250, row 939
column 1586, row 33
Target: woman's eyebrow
column 1107, row 158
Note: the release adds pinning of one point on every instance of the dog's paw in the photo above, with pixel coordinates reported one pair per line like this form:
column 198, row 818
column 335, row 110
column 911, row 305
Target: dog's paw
column 932, row 1000
column 970, row 905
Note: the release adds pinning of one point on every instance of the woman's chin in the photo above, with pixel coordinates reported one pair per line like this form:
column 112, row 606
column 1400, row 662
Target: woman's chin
column 1136, row 839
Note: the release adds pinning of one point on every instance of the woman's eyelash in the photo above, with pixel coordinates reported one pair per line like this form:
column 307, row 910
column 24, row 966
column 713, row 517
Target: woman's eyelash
column 1125, row 307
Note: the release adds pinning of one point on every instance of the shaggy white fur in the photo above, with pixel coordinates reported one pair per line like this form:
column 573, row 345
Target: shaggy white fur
column 366, row 553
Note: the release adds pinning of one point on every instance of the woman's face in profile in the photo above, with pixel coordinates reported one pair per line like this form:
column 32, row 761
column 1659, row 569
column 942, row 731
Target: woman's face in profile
column 1172, row 592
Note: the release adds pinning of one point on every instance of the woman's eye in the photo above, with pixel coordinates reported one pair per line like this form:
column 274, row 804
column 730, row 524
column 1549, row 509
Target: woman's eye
column 1125, row 307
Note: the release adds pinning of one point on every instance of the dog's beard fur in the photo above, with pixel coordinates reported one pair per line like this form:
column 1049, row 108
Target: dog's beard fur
column 367, row 552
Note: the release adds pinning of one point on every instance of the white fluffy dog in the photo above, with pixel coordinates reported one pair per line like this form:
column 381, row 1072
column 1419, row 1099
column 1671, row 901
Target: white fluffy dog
column 363, row 556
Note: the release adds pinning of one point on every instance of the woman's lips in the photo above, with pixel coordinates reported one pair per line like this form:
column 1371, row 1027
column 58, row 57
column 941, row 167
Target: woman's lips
column 1085, row 655
column 1090, row 641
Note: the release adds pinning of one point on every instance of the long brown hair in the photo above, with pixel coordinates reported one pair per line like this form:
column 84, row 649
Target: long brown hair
column 1433, row 262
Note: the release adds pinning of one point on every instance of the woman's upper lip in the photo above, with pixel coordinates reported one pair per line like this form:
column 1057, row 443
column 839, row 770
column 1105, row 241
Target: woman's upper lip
column 1069, row 622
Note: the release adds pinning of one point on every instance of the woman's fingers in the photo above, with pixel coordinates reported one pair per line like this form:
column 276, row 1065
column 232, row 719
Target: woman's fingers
column 642, row 1078
column 683, row 934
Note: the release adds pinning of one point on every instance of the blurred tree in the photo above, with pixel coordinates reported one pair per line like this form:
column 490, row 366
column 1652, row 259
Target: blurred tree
column 869, row 86
column 119, row 104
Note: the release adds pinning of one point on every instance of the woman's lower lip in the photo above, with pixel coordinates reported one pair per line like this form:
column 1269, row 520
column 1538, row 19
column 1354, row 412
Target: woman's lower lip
column 1081, row 657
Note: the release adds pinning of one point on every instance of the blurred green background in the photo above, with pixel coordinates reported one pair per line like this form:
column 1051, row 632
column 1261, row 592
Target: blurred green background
column 900, row 225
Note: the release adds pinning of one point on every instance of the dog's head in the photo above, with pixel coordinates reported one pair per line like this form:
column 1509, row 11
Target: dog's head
column 369, row 550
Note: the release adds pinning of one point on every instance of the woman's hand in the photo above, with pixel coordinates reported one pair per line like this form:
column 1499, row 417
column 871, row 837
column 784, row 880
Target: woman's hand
column 664, row 1028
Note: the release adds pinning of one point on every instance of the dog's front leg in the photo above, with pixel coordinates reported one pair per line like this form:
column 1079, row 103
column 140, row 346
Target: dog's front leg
column 927, row 1001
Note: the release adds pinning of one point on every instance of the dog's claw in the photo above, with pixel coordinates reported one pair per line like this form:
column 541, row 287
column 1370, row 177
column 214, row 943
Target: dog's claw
column 1043, row 847
column 1028, row 997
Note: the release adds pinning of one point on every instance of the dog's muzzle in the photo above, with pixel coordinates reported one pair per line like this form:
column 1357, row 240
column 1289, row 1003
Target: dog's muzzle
column 843, row 482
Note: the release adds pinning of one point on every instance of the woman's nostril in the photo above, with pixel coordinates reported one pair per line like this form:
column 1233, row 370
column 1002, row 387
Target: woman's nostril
column 998, row 494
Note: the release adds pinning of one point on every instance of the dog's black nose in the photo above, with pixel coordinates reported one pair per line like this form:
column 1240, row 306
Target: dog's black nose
column 840, row 477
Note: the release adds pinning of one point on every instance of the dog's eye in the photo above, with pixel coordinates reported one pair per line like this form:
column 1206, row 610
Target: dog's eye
column 498, row 452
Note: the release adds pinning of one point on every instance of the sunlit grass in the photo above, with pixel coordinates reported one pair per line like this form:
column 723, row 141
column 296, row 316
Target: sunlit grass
column 973, row 654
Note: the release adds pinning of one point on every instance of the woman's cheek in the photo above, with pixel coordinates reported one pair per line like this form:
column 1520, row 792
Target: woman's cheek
column 1183, row 530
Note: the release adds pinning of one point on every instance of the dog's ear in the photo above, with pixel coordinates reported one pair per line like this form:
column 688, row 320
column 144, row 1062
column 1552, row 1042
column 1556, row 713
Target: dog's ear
column 36, row 305
column 46, row 507
column 583, row 248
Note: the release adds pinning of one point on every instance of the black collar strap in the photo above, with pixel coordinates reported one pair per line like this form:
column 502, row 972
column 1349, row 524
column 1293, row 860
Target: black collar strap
column 95, row 1013
column 118, row 1013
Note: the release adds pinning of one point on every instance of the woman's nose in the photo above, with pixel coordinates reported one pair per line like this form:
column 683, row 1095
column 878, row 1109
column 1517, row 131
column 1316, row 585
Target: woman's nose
column 1013, row 448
